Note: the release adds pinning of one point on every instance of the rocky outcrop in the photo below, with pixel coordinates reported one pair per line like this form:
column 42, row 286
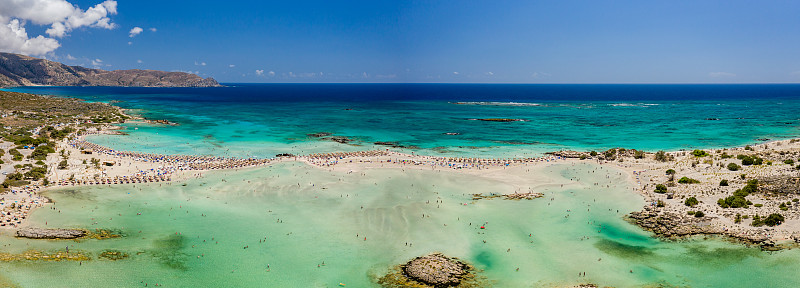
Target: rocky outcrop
column 42, row 233
column 512, row 196
column 672, row 225
column 779, row 185
column 569, row 154
column 668, row 224
column 436, row 270
column 20, row 70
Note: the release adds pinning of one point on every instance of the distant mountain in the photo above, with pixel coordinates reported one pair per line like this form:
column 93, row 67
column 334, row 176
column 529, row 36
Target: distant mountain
column 20, row 70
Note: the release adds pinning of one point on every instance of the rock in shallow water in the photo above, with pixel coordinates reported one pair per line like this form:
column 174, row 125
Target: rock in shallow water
column 436, row 269
column 41, row 233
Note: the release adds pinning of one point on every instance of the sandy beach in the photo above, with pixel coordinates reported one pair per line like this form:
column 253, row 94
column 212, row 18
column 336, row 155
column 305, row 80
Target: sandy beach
column 91, row 164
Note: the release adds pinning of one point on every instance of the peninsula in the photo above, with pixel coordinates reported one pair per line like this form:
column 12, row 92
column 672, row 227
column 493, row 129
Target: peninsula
column 21, row 70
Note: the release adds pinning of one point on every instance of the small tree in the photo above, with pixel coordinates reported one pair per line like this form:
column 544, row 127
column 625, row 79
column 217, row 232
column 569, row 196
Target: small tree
column 661, row 189
column 671, row 172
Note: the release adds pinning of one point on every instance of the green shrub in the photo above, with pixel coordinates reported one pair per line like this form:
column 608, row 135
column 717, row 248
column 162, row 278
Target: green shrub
column 699, row 214
column 738, row 218
column 687, row 180
column 748, row 148
column 733, row 202
column 593, row 153
column 758, row 205
column 660, row 189
column 660, row 203
column 699, row 153
column 691, row 202
column 723, row 182
column 774, row 219
column 661, row 156
column 733, row 167
column 751, row 160
column 690, row 212
column 788, row 161
column 14, row 176
column 671, row 172
column 40, row 153
column 725, row 155
column 757, row 222
column 783, row 207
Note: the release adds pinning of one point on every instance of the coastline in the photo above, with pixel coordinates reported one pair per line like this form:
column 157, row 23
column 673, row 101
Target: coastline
column 644, row 174
column 641, row 174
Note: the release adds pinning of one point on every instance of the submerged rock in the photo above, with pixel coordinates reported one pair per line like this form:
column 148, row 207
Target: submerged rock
column 42, row 233
column 319, row 134
column 500, row 120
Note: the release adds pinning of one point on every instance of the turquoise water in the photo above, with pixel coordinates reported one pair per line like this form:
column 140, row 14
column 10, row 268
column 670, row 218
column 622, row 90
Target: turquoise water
column 226, row 228
column 322, row 220
column 264, row 120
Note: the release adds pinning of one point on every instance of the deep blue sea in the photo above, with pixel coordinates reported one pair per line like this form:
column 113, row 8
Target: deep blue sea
column 440, row 119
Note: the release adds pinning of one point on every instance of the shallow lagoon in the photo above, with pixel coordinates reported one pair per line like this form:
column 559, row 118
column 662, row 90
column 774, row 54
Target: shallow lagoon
column 309, row 215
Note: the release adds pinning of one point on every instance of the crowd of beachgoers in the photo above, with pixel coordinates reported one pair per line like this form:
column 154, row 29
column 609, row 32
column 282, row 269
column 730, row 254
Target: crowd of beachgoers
column 644, row 174
column 16, row 203
column 331, row 159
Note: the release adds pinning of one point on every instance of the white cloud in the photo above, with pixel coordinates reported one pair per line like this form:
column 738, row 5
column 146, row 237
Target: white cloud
column 153, row 29
column 135, row 31
column 721, row 74
column 455, row 73
column 190, row 72
column 130, row 43
column 538, row 75
column 70, row 57
column 139, row 61
column 231, row 66
column 259, row 72
column 489, row 73
column 271, row 73
column 199, row 63
column 61, row 15
column 97, row 62
column 14, row 39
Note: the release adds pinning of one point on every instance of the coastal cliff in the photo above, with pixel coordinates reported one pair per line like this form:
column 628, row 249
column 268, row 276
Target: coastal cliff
column 20, row 70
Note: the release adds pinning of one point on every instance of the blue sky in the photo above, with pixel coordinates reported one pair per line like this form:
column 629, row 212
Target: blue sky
column 446, row 41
